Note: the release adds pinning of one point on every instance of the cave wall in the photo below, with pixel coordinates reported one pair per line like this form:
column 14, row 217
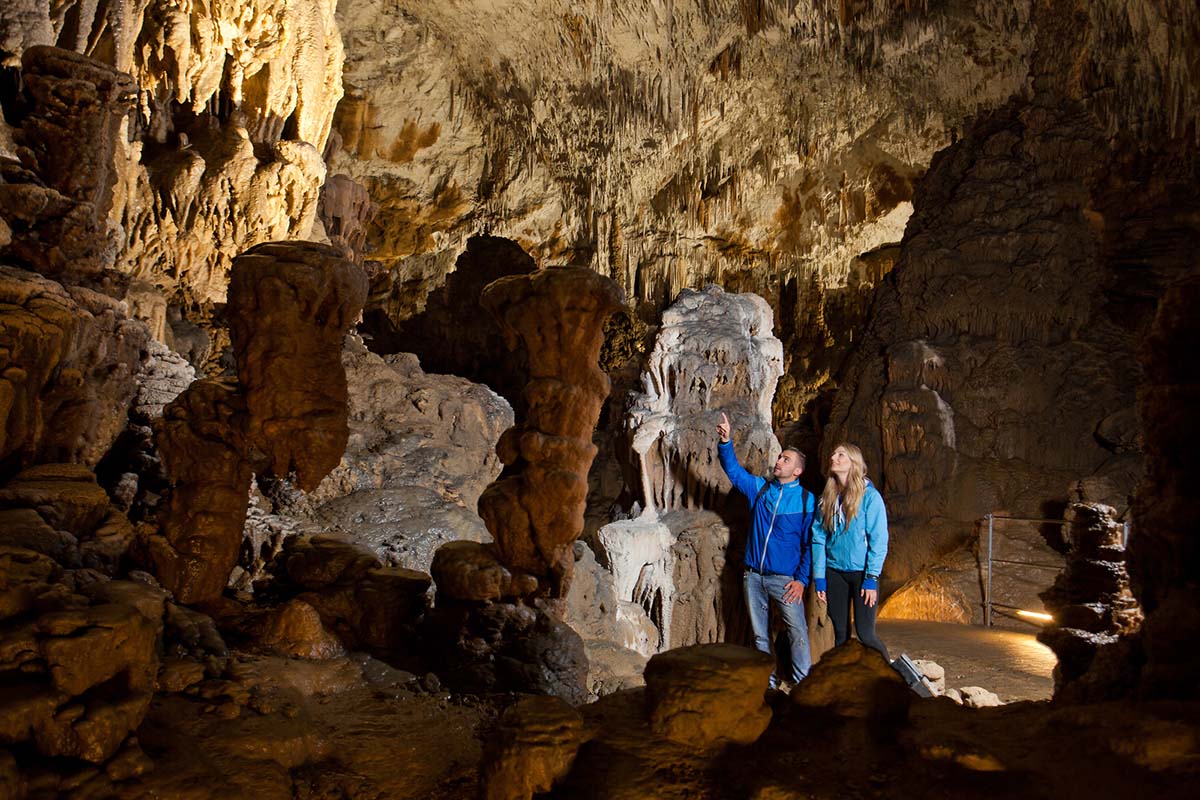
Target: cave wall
column 999, row 370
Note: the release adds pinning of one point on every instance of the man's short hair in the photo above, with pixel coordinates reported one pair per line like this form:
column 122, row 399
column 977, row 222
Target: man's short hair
column 799, row 454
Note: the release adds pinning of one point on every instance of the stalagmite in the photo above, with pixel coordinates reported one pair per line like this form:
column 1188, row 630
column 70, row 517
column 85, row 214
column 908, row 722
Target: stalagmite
column 285, row 412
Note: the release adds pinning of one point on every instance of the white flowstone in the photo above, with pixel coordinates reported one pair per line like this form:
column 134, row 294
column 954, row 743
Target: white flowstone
column 639, row 555
column 714, row 354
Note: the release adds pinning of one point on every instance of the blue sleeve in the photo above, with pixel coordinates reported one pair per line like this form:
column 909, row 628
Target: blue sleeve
column 743, row 481
column 804, row 570
column 877, row 532
column 818, row 552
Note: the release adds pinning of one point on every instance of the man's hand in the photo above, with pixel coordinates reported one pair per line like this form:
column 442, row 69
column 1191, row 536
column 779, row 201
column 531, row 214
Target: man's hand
column 821, row 597
column 792, row 591
column 723, row 428
column 869, row 596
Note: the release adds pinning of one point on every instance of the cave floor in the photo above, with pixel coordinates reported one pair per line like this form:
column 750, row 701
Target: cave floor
column 1011, row 663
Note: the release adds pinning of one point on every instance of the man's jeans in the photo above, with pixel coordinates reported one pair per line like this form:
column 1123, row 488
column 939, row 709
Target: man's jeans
column 758, row 589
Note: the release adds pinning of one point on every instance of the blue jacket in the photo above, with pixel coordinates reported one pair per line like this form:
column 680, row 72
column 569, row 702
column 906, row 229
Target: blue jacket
column 778, row 543
column 859, row 545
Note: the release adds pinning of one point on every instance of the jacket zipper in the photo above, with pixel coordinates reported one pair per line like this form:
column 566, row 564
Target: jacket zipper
column 770, row 528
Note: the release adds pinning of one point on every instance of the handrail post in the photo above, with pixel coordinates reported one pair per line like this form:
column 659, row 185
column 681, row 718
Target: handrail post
column 987, row 601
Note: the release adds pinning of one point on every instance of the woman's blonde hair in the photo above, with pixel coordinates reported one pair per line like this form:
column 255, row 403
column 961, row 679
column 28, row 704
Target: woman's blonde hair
column 852, row 493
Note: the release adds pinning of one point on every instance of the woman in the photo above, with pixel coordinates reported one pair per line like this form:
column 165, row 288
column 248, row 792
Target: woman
column 849, row 544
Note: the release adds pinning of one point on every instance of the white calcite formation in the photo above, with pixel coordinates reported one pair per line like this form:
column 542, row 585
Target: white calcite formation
column 715, row 354
column 643, row 573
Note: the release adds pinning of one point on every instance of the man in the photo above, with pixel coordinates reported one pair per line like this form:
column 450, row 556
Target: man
column 778, row 557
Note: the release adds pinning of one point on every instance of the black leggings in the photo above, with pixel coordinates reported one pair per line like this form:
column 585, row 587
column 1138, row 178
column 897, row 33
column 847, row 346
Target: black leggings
column 842, row 588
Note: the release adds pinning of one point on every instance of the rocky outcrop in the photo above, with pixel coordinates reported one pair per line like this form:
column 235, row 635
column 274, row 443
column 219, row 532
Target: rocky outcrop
column 60, row 510
column 82, row 670
column 68, row 357
column 706, row 696
column 1090, row 602
column 853, row 680
column 291, row 308
column 369, row 606
column 58, row 210
column 1163, row 555
column 532, row 749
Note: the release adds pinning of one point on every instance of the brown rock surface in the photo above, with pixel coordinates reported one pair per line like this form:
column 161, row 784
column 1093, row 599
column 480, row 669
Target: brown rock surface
column 295, row 629
column 67, row 362
column 532, row 748
column 1163, row 552
column 535, row 514
column 81, row 675
column 705, row 696
column 60, row 510
column 854, row 681
column 201, row 440
column 78, row 108
column 289, row 308
column 368, row 605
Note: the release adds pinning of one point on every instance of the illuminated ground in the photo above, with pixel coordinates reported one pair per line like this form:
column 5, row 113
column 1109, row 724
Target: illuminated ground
column 1011, row 663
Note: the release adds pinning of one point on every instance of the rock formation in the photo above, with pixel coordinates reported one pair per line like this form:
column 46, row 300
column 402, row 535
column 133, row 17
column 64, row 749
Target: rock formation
column 291, row 307
column 537, row 513
column 999, row 369
column 714, row 353
column 68, row 357
column 1162, row 547
column 1090, row 602
column 59, row 213
column 421, row 449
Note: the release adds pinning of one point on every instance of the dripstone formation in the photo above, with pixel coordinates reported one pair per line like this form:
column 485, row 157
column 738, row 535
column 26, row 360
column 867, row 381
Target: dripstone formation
column 1091, row 605
column 490, row 636
column 286, row 413
column 558, row 315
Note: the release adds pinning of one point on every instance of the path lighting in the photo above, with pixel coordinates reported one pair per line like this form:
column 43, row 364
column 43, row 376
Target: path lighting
column 1034, row 615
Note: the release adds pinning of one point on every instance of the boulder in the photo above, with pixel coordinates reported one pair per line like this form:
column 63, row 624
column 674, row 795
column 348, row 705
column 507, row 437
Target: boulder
column 533, row 746
column 853, row 680
column 705, row 696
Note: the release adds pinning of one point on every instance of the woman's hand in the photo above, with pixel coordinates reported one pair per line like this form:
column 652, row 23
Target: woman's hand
column 869, row 596
column 723, row 428
column 821, row 598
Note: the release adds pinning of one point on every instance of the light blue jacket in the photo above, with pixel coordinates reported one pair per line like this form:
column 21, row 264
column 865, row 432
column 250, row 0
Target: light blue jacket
column 858, row 545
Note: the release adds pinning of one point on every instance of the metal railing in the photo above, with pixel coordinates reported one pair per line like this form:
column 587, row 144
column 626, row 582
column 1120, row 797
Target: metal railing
column 988, row 601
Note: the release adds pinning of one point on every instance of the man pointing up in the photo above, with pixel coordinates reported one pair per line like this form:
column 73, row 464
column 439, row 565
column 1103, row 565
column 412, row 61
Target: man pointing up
column 778, row 557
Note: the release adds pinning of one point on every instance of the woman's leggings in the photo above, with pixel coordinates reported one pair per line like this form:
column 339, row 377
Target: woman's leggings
column 843, row 588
